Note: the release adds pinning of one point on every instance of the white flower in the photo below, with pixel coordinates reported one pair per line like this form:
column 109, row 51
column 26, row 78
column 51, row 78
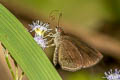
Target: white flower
column 40, row 28
column 42, row 42
column 110, row 75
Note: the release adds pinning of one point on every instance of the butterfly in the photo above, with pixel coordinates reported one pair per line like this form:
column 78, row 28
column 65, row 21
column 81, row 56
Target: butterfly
column 73, row 54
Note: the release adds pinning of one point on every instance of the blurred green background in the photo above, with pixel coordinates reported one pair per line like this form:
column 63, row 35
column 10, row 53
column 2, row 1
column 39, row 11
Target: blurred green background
column 95, row 21
column 77, row 12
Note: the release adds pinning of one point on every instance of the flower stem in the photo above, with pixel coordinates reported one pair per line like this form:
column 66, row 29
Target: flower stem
column 9, row 65
column 21, row 76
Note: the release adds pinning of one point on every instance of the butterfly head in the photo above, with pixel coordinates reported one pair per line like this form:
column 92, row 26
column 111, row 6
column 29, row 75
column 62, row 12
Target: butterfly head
column 59, row 30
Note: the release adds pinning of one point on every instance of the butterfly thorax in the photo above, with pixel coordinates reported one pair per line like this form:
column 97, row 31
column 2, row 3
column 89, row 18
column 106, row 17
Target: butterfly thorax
column 57, row 39
column 58, row 35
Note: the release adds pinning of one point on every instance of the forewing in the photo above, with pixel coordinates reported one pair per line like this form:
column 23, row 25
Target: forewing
column 90, row 56
column 69, row 56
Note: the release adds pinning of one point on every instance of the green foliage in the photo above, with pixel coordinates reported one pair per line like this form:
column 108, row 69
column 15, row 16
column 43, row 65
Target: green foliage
column 85, row 75
column 24, row 49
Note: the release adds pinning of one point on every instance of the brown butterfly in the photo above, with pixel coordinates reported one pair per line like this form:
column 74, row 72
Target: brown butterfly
column 73, row 54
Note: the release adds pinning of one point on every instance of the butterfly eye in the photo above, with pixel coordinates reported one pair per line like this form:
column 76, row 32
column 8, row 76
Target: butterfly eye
column 59, row 30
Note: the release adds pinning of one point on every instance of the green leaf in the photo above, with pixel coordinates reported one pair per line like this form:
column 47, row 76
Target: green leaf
column 21, row 45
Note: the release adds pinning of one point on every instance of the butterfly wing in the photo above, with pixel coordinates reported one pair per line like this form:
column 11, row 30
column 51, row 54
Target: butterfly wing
column 90, row 56
column 69, row 56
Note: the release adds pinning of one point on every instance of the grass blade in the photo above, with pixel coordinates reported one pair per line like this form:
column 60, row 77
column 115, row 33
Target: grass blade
column 24, row 49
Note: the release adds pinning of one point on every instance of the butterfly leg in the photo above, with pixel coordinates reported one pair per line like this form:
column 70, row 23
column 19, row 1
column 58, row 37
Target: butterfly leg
column 55, row 56
column 49, row 35
column 51, row 45
column 48, row 42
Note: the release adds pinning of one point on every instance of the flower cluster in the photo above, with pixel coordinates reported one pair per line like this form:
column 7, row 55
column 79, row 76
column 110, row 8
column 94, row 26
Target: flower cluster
column 110, row 75
column 41, row 41
column 40, row 29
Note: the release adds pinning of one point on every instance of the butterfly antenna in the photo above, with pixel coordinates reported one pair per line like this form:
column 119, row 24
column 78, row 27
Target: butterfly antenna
column 60, row 15
column 52, row 14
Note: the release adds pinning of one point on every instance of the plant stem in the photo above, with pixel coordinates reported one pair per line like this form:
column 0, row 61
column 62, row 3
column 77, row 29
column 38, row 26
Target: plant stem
column 21, row 76
column 9, row 65
column 17, row 73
